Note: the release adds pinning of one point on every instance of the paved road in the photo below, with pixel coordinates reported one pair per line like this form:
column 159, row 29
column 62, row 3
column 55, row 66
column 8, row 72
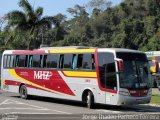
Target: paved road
column 155, row 91
column 10, row 103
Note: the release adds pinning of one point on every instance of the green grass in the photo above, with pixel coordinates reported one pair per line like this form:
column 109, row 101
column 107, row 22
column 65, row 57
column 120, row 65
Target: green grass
column 155, row 99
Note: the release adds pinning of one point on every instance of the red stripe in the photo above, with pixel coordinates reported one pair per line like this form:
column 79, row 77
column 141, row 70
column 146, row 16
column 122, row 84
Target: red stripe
column 55, row 82
column 15, row 83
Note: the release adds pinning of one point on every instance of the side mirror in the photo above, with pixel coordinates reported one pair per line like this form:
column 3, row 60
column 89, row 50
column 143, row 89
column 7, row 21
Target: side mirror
column 120, row 64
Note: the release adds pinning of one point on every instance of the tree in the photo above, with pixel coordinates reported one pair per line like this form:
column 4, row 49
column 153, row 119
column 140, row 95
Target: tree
column 99, row 4
column 28, row 21
column 59, row 31
column 78, row 27
column 2, row 21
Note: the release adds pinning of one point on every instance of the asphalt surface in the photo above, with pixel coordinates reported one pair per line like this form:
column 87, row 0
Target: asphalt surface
column 12, row 104
column 155, row 91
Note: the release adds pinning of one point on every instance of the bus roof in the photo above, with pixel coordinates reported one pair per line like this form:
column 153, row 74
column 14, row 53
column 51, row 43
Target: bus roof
column 68, row 49
column 118, row 50
column 153, row 53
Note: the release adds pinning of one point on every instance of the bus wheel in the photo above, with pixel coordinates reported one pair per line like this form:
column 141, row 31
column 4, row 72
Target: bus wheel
column 90, row 100
column 23, row 92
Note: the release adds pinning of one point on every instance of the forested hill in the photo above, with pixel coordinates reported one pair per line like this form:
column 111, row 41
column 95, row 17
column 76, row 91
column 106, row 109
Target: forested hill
column 133, row 24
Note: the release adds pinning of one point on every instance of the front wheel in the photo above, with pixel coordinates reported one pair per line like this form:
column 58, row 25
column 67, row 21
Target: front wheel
column 90, row 100
column 23, row 92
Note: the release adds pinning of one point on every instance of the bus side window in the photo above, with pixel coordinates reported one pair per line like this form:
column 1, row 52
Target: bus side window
column 51, row 61
column 8, row 61
column 30, row 61
column 5, row 61
column 12, row 62
column 45, row 61
column 17, row 61
column 22, row 60
column 41, row 61
column 74, row 61
column 79, row 61
column 37, row 61
column 61, row 61
column 93, row 62
column 87, row 61
column 68, row 61
column 107, row 71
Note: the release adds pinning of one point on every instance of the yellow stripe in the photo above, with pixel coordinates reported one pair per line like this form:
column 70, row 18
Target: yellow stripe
column 80, row 74
column 72, row 51
column 12, row 72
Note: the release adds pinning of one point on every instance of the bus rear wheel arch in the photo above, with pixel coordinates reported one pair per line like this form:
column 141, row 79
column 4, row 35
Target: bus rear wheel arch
column 88, row 98
column 23, row 91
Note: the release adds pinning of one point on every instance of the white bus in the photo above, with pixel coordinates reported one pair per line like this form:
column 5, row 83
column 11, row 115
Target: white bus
column 92, row 75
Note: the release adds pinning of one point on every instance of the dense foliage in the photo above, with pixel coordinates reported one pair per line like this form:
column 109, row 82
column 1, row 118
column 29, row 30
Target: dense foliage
column 133, row 24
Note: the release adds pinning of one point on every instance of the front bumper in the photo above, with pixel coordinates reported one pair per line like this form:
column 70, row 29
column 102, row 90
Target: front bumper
column 131, row 100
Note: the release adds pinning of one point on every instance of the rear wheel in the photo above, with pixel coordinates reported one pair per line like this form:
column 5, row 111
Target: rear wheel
column 90, row 100
column 23, row 92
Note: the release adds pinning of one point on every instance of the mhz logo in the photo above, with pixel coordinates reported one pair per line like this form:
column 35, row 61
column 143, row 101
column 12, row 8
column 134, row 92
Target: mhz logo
column 42, row 75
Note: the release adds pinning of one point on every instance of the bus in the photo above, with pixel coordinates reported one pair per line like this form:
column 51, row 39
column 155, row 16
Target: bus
column 111, row 76
column 154, row 58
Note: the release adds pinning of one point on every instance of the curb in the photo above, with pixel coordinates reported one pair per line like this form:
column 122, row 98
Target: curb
column 153, row 105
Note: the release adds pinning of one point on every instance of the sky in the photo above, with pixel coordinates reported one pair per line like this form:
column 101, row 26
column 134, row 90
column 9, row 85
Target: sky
column 51, row 7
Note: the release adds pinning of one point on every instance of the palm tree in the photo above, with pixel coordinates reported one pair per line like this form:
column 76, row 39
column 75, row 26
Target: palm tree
column 29, row 21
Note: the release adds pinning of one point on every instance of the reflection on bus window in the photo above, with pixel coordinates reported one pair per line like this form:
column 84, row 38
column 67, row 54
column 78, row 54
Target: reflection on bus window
column 61, row 60
column 79, row 61
column 74, row 61
column 17, row 60
column 87, row 63
column 93, row 62
column 68, row 61
column 107, row 70
column 51, row 61
column 37, row 61
column 22, row 61
column 30, row 60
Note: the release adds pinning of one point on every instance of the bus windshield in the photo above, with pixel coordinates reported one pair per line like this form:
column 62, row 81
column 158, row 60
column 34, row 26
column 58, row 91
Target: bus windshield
column 136, row 73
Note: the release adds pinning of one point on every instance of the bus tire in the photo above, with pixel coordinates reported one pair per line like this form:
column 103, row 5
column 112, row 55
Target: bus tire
column 23, row 92
column 90, row 100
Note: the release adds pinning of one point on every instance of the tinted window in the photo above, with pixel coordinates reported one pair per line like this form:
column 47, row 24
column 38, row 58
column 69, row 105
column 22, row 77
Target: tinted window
column 68, row 61
column 128, row 56
column 22, row 61
column 87, row 61
column 79, row 61
column 5, row 61
column 93, row 62
column 61, row 61
column 36, row 60
column 136, row 71
column 8, row 60
column 74, row 61
column 13, row 61
column 107, row 70
column 50, row 61
column 30, row 62
column 17, row 61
